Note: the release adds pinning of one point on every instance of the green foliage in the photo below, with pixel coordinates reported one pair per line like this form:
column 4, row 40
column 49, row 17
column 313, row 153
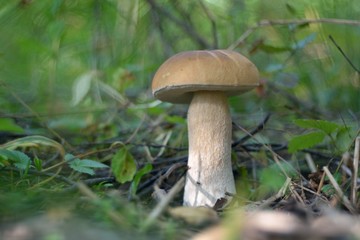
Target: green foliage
column 272, row 178
column 305, row 141
column 175, row 119
column 83, row 166
column 23, row 161
column 38, row 163
column 339, row 136
column 14, row 157
column 325, row 126
column 139, row 174
column 123, row 165
column 8, row 125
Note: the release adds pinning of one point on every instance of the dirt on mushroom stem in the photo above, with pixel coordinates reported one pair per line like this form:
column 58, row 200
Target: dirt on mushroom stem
column 210, row 175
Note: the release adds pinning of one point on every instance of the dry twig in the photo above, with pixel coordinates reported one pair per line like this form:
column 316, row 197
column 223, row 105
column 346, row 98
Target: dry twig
column 113, row 215
column 267, row 23
column 339, row 192
column 186, row 27
column 310, row 163
column 344, row 55
column 355, row 172
column 164, row 202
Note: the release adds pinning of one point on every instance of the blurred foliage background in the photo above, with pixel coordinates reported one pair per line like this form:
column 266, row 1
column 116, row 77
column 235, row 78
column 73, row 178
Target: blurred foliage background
column 49, row 47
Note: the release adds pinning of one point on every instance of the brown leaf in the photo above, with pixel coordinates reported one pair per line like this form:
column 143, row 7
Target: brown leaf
column 194, row 215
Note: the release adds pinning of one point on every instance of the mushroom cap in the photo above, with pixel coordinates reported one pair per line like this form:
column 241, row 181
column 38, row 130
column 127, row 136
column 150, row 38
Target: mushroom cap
column 216, row 70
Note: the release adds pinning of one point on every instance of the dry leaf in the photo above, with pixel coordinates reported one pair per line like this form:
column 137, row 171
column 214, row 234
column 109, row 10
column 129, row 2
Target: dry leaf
column 194, row 215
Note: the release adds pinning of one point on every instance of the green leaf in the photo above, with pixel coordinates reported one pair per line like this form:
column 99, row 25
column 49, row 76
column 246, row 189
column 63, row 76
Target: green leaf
column 273, row 49
column 110, row 91
column 272, row 178
column 175, row 119
column 305, row 141
column 344, row 139
column 83, row 166
column 323, row 125
column 123, row 165
column 79, row 167
column 139, row 174
column 81, row 87
column 69, row 157
column 290, row 8
column 93, row 164
column 19, row 159
column 8, row 125
column 38, row 163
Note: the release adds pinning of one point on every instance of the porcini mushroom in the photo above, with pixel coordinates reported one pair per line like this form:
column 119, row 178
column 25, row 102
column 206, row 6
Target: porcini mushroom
column 205, row 79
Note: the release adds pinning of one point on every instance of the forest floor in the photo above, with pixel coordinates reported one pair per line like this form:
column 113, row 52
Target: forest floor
column 278, row 197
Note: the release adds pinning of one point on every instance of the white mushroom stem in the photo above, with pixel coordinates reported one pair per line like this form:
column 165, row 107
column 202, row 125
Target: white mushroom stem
column 209, row 176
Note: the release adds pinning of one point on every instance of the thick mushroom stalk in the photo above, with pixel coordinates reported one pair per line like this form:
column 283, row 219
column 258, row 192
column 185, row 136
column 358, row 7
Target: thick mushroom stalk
column 209, row 176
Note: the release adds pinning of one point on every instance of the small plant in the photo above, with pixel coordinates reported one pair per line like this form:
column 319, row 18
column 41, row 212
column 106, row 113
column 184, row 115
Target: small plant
column 321, row 130
column 11, row 157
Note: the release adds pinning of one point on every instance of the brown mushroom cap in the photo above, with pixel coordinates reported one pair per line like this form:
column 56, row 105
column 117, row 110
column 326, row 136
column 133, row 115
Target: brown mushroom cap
column 215, row 70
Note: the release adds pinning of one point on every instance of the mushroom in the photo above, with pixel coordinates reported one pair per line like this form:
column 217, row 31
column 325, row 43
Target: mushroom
column 205, row 79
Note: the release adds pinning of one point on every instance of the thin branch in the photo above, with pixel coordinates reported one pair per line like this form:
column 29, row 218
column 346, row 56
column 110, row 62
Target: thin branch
column 167, row 47
column 39, row 173
column 310, row 21
column 355, row 172
column 90, row 182
column 210, row 16
column 267, row 23
column 188, row 29
column 41, row 122
column 253, row 132
column 277, row 157
column 339, row 192
column 162, row 205
column 111, row 213
column 344, row 55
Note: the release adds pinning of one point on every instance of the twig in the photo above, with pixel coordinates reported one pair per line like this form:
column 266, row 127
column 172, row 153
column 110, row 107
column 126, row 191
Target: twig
column 310, row 191
column 278, row 195
column 344, row 55
column 116, row 218
column 296, row 194
column 188, row 29
column 166, row 45
column 276, row 159
column 47, row 180
column 89, row 182
column 355, row 171
column 253, row 132
column 321, row 184
column 339, row 192
column 266, row 23
column 136, row 131
column 294, row 100
column 25, row 105
column 276, row 156
column 162, row 205
column 164, row 143
column 169, row 172
column 48, row 174
column 310, row 163
column 213, row 23
column 309, row 21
